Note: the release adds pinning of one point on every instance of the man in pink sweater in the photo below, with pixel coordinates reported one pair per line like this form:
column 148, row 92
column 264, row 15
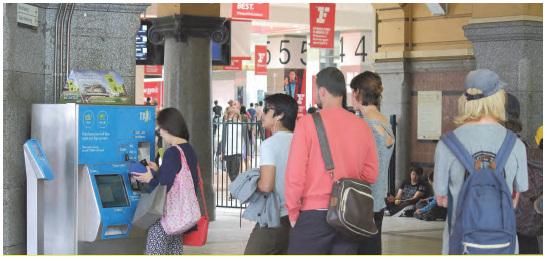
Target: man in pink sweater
column 307, row 183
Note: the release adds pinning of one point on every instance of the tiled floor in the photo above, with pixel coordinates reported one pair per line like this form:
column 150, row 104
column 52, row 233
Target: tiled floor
column 400, row 236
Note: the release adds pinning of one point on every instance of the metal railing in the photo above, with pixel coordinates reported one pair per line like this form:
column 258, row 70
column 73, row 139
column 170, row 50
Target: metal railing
column 236, row 149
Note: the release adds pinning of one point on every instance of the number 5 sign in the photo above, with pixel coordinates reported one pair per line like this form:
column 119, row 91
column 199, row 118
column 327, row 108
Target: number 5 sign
column 287, row 52
column 322, row 25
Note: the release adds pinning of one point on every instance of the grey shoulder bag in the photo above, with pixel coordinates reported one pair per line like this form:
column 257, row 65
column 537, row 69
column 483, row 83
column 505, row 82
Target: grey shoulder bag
column 351, row 208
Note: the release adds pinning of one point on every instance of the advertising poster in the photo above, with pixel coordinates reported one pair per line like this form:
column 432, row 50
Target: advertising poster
column 251, row 11
column 313, row 102
column 154, row 90
column 322, row 25
column 260, row 96
column 153, row 70
column 235, row 66
column 101, row 87
column 260, row 60
column 295, row 86
column 240, row 94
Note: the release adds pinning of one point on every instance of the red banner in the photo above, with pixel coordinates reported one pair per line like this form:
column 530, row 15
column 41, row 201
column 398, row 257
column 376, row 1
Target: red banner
column 235, row 66
column 261, row 52
column 301, row 98
column 154, row 90
column 322, row 25
column 251, row 11
column 153, row 70
column 313, row 102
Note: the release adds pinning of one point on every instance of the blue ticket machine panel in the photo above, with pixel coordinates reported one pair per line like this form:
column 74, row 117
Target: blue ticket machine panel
column 117, row 201
column 109, row 139
column 115, row 134
column 38, row 160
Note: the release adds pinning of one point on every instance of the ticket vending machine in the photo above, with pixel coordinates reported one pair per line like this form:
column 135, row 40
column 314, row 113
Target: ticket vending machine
column 85, row 202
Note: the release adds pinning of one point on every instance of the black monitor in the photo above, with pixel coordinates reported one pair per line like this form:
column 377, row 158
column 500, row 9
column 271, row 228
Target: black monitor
column 150, row 54
column 146, row 52
column 111, row 190
column 221, row 53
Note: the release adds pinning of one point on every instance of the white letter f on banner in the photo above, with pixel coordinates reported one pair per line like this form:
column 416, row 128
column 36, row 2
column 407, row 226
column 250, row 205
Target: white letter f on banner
column 322, row 14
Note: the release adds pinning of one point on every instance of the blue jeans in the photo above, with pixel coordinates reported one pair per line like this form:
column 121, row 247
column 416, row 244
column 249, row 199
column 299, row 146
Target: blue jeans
column 313, row 235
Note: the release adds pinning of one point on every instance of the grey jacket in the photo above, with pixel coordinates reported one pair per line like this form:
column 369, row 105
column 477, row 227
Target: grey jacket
column 263, row 207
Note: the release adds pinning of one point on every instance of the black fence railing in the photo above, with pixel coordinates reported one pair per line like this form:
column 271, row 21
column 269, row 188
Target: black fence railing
column 236, row 148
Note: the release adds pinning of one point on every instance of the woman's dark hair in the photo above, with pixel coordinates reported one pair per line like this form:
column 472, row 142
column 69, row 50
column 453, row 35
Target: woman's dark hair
column 243, row 110
column 431, row 174
column 419, row 171
column 171, row 120
column 285, row 104
column 370, row 87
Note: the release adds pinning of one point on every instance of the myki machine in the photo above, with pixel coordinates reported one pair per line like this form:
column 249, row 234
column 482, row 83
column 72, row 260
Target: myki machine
column 81, row 197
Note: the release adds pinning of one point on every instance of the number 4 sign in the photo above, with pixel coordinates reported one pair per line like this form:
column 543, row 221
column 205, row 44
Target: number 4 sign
column 354, row 47
column 322, row 25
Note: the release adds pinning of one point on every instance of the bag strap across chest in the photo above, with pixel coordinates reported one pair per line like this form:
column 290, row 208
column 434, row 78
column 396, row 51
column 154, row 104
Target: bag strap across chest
column 324, row 143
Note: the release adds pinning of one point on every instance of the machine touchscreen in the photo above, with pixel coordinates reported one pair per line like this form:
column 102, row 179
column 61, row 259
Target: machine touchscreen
column 112, row 191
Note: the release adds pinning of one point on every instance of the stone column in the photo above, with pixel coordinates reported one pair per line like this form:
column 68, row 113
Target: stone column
column 514, row 50
column 396, row 100
column 188, row 72
column 102, row 37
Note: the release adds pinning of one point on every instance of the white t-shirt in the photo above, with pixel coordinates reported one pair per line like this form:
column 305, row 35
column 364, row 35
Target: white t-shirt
column 259, row 110
column 274, row 151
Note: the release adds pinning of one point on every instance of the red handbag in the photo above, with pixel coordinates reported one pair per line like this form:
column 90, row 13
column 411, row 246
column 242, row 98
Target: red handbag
column 198, row 238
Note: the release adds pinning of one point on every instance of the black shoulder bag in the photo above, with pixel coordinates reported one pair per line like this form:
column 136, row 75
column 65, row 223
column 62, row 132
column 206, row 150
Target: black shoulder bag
column 351, row 208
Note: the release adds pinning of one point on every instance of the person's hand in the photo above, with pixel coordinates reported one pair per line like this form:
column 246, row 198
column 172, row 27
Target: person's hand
column 293, row 223
column 391, row 198
column 419, row 211
column 442, row 200
column 153, row 166
column 143, row 177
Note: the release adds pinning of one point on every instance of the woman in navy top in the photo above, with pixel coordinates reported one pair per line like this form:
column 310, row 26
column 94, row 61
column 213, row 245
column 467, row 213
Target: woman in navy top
column 174, row 132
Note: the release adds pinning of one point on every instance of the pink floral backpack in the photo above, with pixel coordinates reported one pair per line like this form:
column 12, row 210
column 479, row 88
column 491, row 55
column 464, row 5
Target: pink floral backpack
column 181, row 205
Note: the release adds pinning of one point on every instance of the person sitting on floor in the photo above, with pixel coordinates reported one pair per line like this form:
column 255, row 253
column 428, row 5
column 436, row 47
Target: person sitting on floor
column 410, row 192
column 431, row 211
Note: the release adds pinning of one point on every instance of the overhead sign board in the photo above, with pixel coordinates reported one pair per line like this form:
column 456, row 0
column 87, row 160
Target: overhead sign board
column 251, row 11
column 27, row 15
column 261, row 58
column 322, row 25
column 235, row 66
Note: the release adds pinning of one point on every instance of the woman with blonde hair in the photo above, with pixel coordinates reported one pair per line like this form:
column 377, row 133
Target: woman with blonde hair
column 366, row 96
column 481, row 112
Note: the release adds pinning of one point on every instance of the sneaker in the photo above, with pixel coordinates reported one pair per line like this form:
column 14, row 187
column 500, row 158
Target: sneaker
column 429, row 217
column 386, row 213
column 417, row 216
column 398, row 214
column 408, row 213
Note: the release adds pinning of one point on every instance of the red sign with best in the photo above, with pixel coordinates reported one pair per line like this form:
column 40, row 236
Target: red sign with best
column 251, row 11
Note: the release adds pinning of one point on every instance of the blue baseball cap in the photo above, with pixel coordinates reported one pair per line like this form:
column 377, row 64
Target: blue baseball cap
column 485, row 80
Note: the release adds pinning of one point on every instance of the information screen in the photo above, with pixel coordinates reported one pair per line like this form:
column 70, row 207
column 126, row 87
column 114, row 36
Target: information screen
column 142, row 49
column 112, row 191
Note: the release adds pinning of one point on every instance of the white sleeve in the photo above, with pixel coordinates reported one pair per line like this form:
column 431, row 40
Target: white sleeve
column 267, row 153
